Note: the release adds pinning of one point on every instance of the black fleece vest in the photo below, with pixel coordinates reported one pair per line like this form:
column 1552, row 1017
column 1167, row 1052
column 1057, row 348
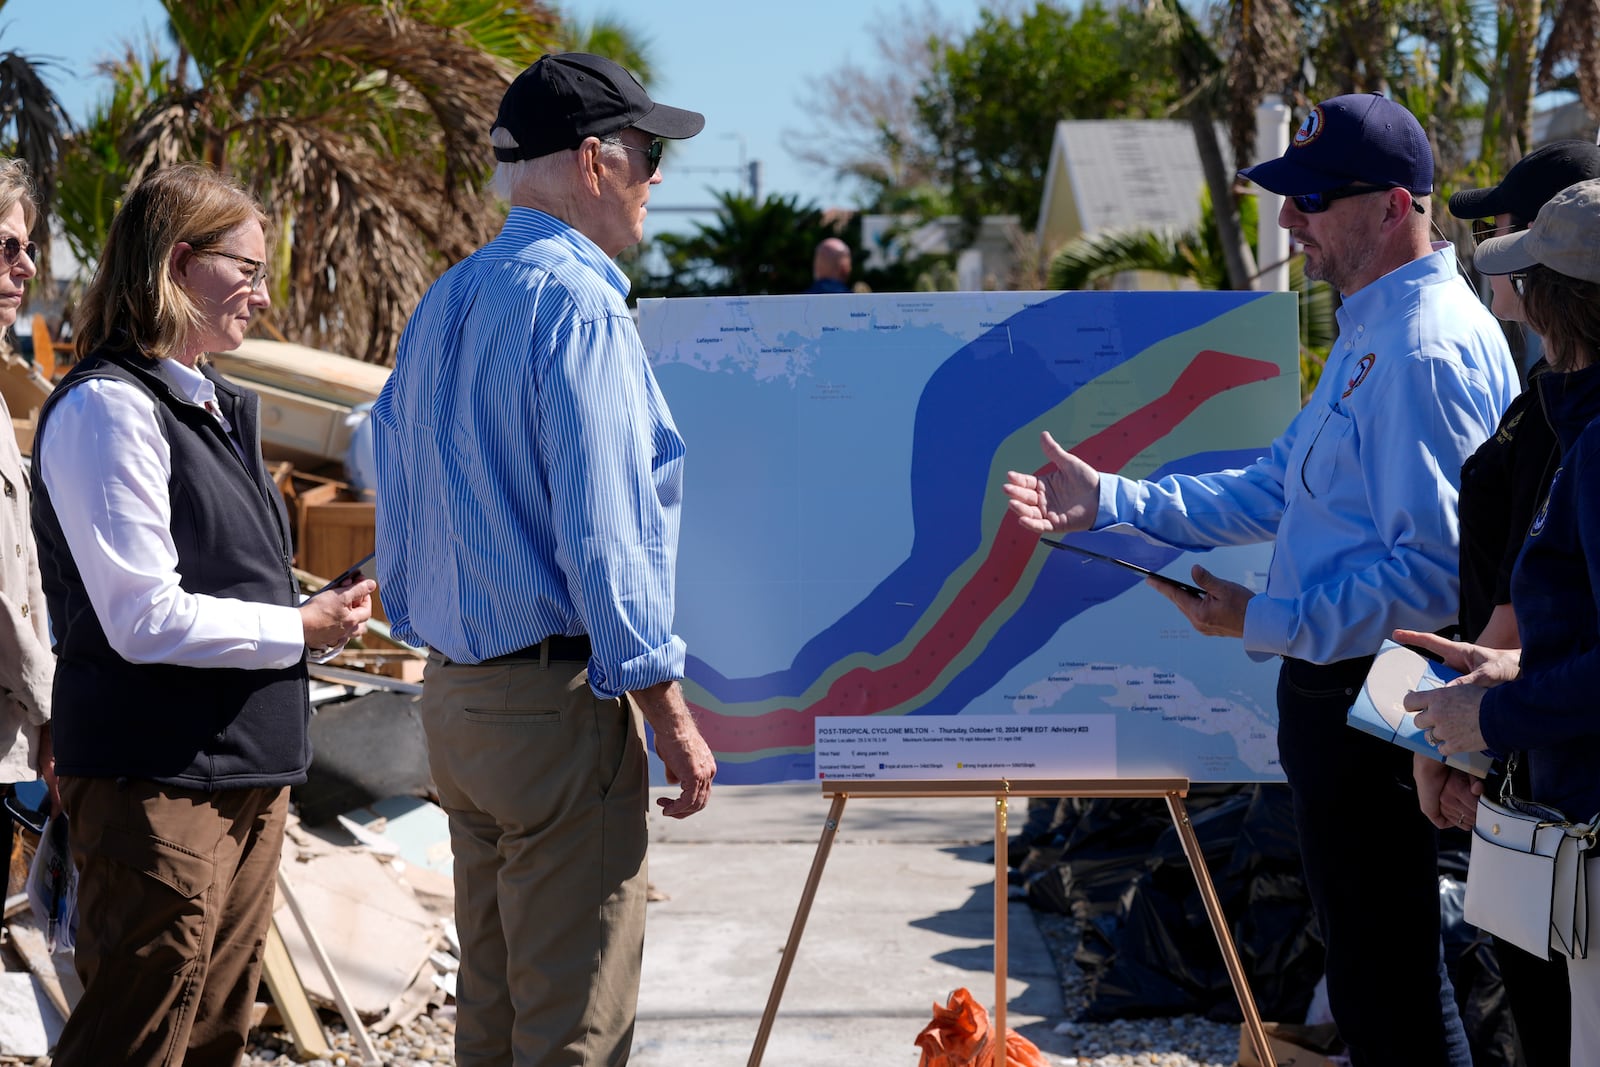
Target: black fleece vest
column 198, row 728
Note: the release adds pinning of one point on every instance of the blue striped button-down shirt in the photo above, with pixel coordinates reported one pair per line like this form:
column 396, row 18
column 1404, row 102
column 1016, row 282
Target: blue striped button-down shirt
column 529, row 473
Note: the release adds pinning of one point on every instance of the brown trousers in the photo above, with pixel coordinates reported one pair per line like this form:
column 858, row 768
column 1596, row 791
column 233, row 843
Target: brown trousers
column 546, row 789
column 175, row 893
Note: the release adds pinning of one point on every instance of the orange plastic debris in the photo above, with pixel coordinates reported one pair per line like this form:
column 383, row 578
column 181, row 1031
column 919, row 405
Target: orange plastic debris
column 960, row 1036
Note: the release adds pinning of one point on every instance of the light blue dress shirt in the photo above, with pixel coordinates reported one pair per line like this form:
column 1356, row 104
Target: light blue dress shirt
column 529, row 472
column 1360, row 490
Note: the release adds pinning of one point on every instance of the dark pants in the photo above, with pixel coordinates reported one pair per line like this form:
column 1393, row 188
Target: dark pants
column 1541, row 1004
column 175, row 894
column 1371, row 864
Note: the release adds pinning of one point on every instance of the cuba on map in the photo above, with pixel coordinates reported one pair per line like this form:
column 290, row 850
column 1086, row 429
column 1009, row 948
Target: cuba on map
column 846, row 549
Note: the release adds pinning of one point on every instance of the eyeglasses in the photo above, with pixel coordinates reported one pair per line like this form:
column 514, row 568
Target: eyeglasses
column 1317, row 203
column 12, row 247
column 1483, row 229
column 1519, row 280
column 652, row 152
column 258, row 273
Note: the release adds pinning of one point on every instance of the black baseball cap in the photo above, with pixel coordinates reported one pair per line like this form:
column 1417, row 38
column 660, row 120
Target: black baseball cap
column 1363, row 138
column 1531, row 182
column 568, row 96
column 1561, row 237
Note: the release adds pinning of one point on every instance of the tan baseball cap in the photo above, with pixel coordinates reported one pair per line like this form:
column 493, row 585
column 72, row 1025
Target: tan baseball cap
column 1565, row 237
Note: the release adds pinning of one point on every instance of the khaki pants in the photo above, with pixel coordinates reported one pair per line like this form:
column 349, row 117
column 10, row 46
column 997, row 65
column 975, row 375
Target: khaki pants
column 175, row 892
column 546, row 790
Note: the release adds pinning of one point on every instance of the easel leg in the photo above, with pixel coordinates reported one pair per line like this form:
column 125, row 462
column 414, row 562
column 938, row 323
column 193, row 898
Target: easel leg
column 1219, row 927
column 829, row 830
column 1001, row 942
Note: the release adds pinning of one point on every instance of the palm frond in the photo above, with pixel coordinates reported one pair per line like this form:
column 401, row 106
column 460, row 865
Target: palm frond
column 1574, row 41
column 614, row 38
column 1095, row 257
column 1264, row 45
column 94, row 171
column 361, row 125
column 34, row 127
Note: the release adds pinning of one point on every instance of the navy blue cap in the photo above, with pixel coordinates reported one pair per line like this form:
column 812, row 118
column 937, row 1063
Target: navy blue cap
column 568, row 96
column 1361, row 139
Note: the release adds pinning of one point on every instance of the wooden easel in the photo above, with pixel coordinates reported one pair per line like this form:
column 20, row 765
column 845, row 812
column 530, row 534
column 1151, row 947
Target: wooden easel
column 1172, row 790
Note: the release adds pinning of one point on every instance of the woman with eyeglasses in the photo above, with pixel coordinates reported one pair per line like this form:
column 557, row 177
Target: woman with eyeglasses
column 1540, row 702
column 26, row 664
column 181, row 708
column 1502, row 484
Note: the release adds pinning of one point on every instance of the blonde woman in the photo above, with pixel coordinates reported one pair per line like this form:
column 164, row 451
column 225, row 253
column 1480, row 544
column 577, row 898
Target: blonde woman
column 180, row 696
column 26, row 664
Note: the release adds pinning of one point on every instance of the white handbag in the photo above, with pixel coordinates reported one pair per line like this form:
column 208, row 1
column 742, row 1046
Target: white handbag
column 1527, row 880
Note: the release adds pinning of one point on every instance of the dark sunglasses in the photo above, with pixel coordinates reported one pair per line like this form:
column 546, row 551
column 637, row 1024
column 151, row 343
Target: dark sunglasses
column 1317, row 203
column 1483, row 229
column 12, row 247
column 1519, row 280
column 652, row 152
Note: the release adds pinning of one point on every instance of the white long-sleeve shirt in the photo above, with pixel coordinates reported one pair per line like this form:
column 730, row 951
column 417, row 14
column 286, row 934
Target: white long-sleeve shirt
column 106, row 465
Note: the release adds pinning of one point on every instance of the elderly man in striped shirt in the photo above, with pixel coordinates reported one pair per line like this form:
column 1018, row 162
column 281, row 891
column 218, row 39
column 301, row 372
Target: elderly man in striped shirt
column 529, row 479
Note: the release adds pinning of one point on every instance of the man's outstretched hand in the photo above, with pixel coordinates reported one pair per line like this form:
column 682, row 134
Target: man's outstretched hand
column 1064, row 500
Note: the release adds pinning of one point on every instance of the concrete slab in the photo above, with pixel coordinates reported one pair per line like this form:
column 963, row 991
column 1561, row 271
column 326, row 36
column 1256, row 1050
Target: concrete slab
column 903, row 915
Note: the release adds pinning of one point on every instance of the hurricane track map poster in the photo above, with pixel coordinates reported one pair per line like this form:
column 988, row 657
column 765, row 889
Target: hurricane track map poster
column 846, row 549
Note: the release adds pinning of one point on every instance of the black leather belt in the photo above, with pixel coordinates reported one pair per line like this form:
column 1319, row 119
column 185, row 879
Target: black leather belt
column 559, row 647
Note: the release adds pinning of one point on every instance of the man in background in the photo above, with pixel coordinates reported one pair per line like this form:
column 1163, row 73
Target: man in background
column 830, row 267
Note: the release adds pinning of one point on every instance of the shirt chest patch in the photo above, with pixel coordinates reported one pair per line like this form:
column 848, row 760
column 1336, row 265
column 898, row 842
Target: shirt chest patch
column 1363, row 368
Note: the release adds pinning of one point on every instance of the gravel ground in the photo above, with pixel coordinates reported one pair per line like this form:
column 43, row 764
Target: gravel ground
column 427, row 1039
column 1181, row 1041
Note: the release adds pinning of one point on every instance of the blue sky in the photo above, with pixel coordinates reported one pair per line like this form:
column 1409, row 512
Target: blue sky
column 744, row 63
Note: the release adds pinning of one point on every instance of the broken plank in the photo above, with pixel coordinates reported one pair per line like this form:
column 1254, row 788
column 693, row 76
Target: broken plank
column 290, row 997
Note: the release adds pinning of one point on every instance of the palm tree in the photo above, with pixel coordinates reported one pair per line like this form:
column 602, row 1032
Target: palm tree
column 1210, row 91
column 752, row 248
column 34, row 127
column 359, row 124
column 1197, row 255
column 93, row 171
column 1574, row 42
column 1508, row 113
column 610, row 36
column 1263, row 45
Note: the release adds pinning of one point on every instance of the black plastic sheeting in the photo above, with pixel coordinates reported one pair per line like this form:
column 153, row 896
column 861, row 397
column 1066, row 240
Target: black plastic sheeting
column 366, row 748
column 1146, row 943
